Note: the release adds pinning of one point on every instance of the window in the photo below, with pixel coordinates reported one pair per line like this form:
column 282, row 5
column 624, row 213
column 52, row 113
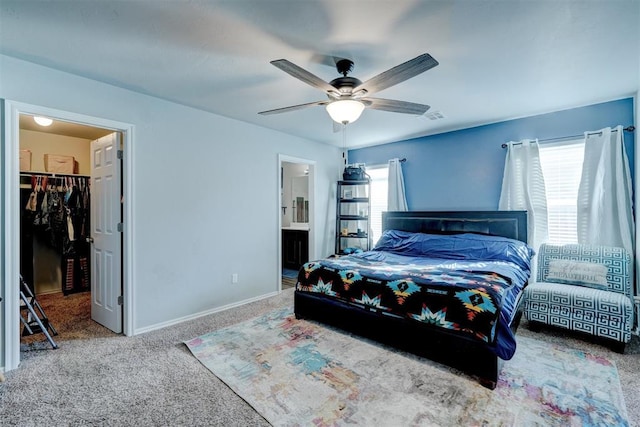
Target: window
column 379, row 187
column 562, row 168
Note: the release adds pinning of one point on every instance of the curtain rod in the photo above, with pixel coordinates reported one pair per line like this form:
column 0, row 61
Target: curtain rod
column 379, row 165
column 627, row 129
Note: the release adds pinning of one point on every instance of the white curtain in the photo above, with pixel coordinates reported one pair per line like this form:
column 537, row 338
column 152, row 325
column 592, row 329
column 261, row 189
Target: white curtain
column 397, row 200
column 604, row 198
column 523, row 188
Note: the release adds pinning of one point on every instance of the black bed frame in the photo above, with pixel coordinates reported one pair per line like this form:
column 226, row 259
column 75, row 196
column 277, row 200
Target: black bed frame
column 441, row 345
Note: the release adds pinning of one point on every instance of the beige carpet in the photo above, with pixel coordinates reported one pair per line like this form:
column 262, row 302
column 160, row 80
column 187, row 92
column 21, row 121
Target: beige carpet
column 101, row 378
column 71, row 316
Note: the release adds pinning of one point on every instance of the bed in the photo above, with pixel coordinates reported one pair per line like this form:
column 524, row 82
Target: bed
column 442, row 285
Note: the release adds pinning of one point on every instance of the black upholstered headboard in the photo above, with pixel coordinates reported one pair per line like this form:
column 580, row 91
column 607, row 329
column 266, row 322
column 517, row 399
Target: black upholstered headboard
column 512, row 224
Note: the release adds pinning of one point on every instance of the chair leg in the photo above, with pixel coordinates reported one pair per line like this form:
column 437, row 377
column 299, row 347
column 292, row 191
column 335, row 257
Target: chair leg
column 534, row 326
column 618, row 346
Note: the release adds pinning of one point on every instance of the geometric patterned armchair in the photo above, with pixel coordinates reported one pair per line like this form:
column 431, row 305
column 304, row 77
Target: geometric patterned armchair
column 583, row 288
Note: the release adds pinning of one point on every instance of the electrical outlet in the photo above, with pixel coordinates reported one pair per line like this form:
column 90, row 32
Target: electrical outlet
column 234, row 278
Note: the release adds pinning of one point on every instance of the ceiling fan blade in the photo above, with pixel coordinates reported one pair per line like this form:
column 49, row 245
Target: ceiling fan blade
column 395, row 106
column 398, row 74
column 293, row 108
column 304, row 75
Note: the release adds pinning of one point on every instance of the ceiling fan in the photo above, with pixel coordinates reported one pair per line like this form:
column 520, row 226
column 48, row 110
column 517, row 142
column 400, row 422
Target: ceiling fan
column 348, row 96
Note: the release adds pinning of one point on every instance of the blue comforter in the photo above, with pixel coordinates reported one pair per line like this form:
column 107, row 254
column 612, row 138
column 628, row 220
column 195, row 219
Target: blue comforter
column 474, row 291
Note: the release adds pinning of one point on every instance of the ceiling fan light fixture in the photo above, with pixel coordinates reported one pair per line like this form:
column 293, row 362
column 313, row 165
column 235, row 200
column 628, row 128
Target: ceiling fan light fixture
column 42, row 121
column 345, row 110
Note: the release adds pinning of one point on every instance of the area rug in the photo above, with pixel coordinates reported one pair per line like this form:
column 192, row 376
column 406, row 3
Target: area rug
column 297, row 372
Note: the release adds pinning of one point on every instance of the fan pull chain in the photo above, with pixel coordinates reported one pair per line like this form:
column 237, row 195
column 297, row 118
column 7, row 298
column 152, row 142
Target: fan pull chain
column 344, row 144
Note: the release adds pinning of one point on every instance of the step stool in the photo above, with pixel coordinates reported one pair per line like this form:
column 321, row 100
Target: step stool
column 34, row 321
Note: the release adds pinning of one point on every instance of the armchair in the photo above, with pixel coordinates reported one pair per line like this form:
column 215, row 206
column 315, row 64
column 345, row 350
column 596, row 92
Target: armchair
column 583, row 288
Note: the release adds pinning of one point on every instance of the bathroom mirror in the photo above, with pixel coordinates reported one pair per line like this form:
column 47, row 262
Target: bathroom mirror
column 300, row 198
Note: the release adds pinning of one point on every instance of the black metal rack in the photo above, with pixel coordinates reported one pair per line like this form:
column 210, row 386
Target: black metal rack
column 353, row 212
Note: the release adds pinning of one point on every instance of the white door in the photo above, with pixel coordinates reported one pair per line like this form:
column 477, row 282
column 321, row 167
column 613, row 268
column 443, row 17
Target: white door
column 106, row 245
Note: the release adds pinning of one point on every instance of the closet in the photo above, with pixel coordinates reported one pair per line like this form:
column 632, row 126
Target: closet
column 54, row 227
column 55, row 216
column 55, row 199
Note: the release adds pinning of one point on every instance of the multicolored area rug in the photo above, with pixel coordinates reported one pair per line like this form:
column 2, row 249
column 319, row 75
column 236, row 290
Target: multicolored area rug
column 296, row 372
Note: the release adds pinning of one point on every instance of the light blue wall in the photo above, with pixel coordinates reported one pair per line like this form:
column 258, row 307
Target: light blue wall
column 463, row 169
column 205, row 220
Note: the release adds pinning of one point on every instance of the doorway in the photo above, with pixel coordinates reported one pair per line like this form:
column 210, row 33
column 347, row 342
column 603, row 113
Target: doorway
column 12, row 247
column 295, row 214
column 54, row 164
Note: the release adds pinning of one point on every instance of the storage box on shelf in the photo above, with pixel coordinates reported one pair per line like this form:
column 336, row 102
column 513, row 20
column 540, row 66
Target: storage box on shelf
column 58, row 163
column 25, row 160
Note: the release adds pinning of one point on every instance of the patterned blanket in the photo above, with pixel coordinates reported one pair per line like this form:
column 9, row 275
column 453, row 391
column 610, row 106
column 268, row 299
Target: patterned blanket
column 442, row 295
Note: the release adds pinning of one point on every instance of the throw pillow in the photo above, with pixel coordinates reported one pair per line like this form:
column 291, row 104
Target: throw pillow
column 580, row 273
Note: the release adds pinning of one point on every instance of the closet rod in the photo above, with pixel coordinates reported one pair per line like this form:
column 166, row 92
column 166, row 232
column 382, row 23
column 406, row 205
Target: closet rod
column 627, row 129
column 53, row 175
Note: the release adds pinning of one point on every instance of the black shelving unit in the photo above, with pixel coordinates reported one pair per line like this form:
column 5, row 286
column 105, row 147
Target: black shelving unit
column 353, row 212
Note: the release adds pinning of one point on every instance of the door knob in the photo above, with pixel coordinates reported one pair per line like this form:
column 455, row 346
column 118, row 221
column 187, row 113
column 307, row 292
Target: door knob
column 89, row 239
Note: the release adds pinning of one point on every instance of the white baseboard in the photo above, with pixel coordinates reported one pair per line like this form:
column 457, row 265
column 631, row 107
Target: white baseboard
column 202, row 313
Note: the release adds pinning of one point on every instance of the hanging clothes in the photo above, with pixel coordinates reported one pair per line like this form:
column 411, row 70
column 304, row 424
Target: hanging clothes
column 75, row 262
column 26, row 236
column 58, row 211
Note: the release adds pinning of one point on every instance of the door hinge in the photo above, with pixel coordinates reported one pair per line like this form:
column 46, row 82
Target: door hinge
column 120, row 154
column 120, row 227
column 120, row 300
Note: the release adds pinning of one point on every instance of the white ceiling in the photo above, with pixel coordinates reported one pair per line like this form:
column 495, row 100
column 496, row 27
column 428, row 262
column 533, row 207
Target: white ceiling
column 498, row 59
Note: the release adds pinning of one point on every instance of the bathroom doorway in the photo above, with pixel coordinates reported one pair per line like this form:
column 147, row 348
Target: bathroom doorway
column 296, row 217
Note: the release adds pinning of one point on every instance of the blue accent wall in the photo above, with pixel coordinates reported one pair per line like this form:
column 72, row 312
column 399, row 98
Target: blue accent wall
column 463, row 169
